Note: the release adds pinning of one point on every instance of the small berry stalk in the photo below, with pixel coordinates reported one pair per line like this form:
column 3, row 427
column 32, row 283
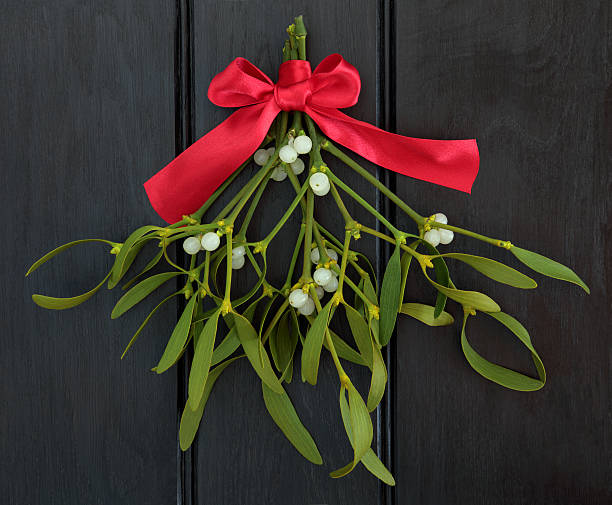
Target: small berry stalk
column 268, row 323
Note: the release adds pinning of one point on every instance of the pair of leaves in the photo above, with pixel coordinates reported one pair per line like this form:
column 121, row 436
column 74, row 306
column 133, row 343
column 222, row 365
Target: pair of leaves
column 178, row 339
column 190, row 420
column 126, row 255
column 369, row 458
column 54, row 303
column 283, row 342
column 358, row 426
column 499, row 374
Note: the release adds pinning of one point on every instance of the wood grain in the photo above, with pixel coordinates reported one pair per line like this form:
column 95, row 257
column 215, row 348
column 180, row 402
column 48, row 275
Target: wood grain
column 87, row 115
column 531, row 80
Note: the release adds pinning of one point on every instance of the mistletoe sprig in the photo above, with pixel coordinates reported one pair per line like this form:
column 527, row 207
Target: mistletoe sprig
column 268, row 323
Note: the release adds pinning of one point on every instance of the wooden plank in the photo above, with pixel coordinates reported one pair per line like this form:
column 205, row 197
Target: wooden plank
column 242, row 457
column 88, row 115
column 530, row 80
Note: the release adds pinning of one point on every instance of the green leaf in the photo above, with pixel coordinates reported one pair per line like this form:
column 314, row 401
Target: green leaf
column 311, row 352
column 62, row 248
column 144, row 323
column 50, row 302
column 154, row 261
column 442, row 277
column 473, row 299
column 283, row 342
column 389, row 295
column 548, row 267
column 190, row 420
column 361, row 428
column 369, row 460
column 425, row 314
column 495, row 270
column 129, row 259
column 231, row 342
column 178, row 339
column 379, row 378
column 499, row 374
column 344, row 350
column 202, row 358
column 405, row 263
column 140, row 291
column 284, row 415
column 361, row 333
column 251, row 345
column 118, row 268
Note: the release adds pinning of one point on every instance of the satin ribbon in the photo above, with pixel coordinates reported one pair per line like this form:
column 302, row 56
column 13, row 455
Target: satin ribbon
column 187, row 182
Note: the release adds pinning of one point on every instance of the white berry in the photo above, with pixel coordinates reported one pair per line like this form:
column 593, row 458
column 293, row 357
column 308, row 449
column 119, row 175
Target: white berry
column 261, row 157
column 270, row 150
column 315, row 256
column 319, row 182
column 288, row 154
column 237, row 262
column 191, row 245
column 297, row 298
column 290, row 141
column 238, row 251
column 440, row 218
column 302, row 144
column 210, row 241
column 307, row 308
column 322, row 276
column 446, row 236
column 332, row 285
column 433, row 237
column 298, row 166
column 278, row 174
column 332, row 254
column 320, row 292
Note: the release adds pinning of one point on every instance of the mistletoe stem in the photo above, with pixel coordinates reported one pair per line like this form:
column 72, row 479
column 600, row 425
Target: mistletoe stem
column 294, row 257
column 308, row 234
column 334, row 151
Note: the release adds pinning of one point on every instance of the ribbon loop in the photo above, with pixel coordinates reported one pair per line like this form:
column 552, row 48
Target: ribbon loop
column 189, row 180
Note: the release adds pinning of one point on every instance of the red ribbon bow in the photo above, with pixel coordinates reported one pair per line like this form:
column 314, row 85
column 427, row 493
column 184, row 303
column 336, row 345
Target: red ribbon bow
column 187, row 182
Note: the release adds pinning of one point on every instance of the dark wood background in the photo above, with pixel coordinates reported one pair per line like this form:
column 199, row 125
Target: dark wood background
column 98, row 95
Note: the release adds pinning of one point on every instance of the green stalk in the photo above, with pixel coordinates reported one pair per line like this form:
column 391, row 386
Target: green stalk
column 397, row 233
column 467, row 233
column 334, row 151
column 294, row 257
column 308, row 234
column 286, row 216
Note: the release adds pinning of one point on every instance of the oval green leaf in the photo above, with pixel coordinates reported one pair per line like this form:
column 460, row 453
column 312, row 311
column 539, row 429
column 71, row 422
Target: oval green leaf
column 284, row 415
column 178, row 339
column 361, row 333
column 495, row 270
column 118, row 268
column 548, row 267
column 140, row 291
column 426, row 314
column 202, row 358
column 389, row 295
column 249, row 339
column 62, row 248
column 311, row 352
column 379, row 378
column 190, row 420
column 50, row 302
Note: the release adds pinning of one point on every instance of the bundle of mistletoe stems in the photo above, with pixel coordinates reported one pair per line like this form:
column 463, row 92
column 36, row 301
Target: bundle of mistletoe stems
column 327, row 278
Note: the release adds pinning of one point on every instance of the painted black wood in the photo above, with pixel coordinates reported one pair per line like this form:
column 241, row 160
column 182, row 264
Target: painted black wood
column 96, row 96
column 531, row 80
column 87, row 95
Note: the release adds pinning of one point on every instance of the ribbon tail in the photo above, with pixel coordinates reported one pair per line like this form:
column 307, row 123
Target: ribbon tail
column 450, row 163
column 187, row 182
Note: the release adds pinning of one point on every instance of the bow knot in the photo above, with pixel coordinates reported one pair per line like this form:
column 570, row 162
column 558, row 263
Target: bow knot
column 292, row 91
column 187, row 182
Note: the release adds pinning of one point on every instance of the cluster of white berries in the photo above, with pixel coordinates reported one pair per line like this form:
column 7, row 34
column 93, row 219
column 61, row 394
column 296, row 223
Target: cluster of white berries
column 326, row 280
column 210, row 242
column 437, row 236
column 288, row 154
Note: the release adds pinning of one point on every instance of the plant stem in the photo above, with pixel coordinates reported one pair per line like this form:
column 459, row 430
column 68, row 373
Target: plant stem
column 308, row 234
column 287, row 215
column 334, row 151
